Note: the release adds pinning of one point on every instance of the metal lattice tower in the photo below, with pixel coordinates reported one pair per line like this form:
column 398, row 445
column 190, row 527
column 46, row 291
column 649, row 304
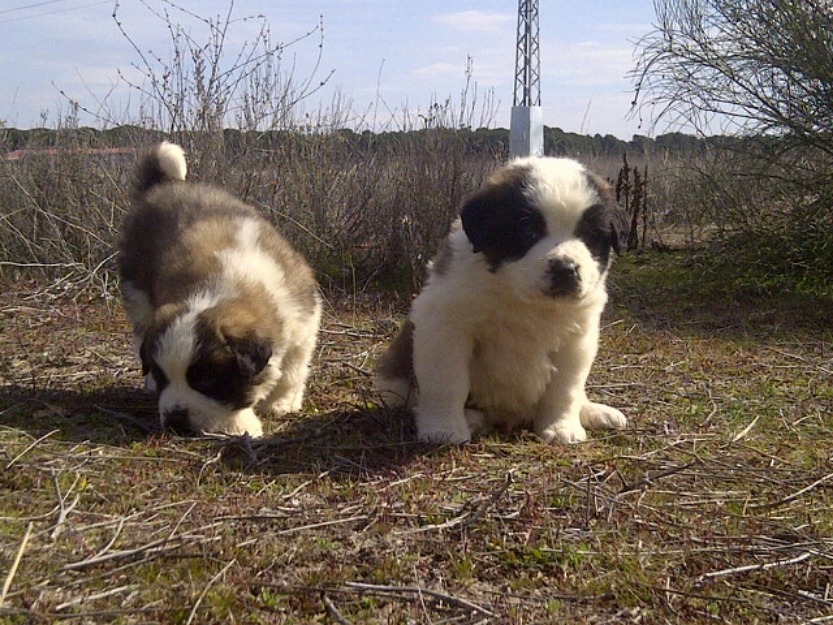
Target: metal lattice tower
column 527, row 56
column 526, row 132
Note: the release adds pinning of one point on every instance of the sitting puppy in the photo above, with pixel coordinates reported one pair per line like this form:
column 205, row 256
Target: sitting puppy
column 506, row 327
column 225, row 313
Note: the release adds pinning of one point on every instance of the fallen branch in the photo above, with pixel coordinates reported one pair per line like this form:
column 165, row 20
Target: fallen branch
column 157, row 546
column 29, row 448
column 338, row 616
column 742, row 434
column 755, row 567
column 204, row 592
column 93, row 597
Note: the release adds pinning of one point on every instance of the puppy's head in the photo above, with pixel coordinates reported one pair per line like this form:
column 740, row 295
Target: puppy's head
column 548, row 226
column 209, row 364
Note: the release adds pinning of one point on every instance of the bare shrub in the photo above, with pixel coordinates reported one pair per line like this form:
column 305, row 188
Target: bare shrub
column 60, row 207
column 762, row 69
column 769, row 218
column 364, row 207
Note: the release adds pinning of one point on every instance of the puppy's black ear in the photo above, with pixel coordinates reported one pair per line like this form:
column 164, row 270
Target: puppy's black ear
column 614, row 219
column 496, row 211
column 619, row 229
column 251, row 353
column 478, row 217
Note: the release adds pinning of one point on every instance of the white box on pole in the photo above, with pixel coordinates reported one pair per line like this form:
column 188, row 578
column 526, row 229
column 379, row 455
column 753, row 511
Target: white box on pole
column 526, row 131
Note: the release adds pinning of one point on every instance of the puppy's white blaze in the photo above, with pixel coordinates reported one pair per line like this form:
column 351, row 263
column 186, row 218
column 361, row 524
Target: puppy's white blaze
column 559, row 187
column 172, row 161
column 177, row 346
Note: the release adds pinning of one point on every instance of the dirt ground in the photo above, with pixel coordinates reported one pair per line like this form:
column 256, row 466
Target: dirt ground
column 712, row 506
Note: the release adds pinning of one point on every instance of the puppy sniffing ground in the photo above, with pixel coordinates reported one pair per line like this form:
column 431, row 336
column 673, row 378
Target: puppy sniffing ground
column 225, row 313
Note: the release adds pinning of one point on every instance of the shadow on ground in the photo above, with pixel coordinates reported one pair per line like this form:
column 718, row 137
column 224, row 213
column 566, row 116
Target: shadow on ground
column 113, row 415
column 350, row 443
column 347, row 444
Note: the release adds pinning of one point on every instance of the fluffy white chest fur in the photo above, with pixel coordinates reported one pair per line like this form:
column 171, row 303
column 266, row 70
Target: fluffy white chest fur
column 515, row 358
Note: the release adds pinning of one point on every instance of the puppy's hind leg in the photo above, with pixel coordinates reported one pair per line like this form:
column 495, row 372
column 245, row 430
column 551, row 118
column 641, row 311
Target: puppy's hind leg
column 393, row 378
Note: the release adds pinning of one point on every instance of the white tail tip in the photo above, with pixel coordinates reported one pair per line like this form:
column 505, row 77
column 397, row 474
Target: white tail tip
column 172, row 161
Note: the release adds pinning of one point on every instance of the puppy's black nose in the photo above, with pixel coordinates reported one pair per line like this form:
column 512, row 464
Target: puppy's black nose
column 563, row 276
column 177, row 420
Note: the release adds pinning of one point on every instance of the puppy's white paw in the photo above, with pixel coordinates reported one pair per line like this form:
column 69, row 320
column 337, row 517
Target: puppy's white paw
column 284, row 405
column 446, row 430
column 595, row 415
column 243, row 422
column 565, row 431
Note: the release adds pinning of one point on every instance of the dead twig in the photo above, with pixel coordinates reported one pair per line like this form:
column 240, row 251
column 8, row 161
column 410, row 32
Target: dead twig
column 204, row 592
column 157, row 546
column 34, row 444
column 334, row 611
column 63, row 509
column 474, row 511
column 99, row 595
column 756, row 567
column 15, row 563
column 795, row 495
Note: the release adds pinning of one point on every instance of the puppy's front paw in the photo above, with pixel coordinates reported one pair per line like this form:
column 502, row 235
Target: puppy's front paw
column 244, row 422
column 286, row 405
column 565, row 431
column 445, row 430
column 600, row 416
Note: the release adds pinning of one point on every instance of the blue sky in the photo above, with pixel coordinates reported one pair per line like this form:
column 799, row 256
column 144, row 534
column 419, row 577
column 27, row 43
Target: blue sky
column 390, row 59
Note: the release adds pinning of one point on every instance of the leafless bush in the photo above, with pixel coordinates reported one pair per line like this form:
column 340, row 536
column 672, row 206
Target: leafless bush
column 762, row 69
column 60, row 208
column 364, row 210
column 755, row 66
column 364, row 207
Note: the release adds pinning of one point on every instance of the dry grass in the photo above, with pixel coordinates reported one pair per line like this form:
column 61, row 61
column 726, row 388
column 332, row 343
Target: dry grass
column 713, row 506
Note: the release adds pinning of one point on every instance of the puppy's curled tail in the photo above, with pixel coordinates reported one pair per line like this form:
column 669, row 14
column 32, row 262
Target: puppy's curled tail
column 162, row 163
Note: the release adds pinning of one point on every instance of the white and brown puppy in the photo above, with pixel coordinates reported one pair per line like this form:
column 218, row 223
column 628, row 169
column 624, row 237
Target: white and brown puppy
column 506, row 328
column 225, row 313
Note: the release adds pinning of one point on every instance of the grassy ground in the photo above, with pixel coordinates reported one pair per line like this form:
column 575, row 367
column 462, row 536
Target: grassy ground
column 713, row 506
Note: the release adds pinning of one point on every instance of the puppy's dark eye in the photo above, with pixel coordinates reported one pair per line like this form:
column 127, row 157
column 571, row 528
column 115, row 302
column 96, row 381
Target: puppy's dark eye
column 202, row 384
column 202, row 379
column 530, row 232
